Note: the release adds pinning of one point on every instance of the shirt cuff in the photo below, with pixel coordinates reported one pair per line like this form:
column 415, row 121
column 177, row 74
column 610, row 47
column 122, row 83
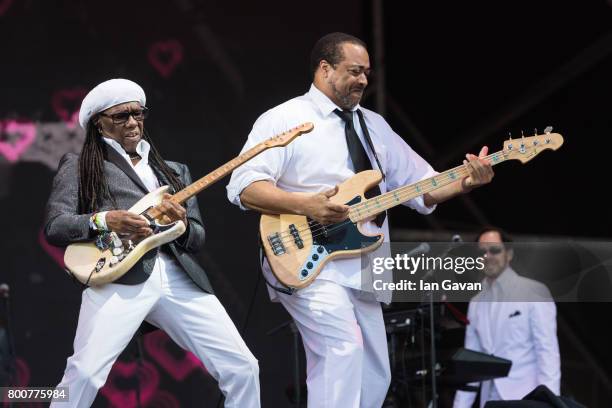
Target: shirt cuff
column 233, row 192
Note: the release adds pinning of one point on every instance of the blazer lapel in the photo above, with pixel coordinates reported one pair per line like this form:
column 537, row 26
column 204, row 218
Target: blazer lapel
column 114, row 157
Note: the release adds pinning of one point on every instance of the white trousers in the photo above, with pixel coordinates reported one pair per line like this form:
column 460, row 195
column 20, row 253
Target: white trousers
column 488, row 392
column 195, row 320
column 346, row 345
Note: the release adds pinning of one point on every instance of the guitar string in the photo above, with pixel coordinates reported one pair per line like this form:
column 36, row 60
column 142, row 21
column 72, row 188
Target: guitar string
column 388, row 198
column 287, row 237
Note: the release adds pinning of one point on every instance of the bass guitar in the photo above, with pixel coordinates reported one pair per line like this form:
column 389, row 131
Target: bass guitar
column 297, row 247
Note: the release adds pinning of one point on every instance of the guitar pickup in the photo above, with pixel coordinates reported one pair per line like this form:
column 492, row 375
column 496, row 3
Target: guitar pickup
column 276, row 243
column 296, row 236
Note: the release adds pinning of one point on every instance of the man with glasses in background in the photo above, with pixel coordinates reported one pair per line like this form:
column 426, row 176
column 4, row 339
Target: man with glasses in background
column 514, row 318
column 167, row 288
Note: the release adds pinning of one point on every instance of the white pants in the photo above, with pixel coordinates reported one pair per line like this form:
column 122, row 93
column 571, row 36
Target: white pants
column 195, row 320
column 346, row 345
column 488, row 392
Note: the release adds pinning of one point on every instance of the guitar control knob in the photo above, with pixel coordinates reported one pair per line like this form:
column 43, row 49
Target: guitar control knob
column 304, row 273
column 315, row 257
column 309, row 265
column 320, row 249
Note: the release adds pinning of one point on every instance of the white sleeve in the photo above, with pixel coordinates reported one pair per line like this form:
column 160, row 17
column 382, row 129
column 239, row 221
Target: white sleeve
column 268, row 165
column 404, row 167
column 543, row 322
column 465, row 399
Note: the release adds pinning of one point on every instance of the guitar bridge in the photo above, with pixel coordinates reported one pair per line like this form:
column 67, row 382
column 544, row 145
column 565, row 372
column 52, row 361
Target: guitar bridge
column 277, row 244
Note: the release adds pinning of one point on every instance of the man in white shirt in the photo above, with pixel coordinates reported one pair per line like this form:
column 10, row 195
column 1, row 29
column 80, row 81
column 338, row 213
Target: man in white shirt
column 167, row 287
column 513, row 318
column 341, row 326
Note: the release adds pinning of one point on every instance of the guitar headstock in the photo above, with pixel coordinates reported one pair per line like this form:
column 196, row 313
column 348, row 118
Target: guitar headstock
column 527, row 147
column 287, row 137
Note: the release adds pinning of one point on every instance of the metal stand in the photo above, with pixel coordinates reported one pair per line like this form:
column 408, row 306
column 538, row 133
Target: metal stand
column 433, row 363
column 12, row 363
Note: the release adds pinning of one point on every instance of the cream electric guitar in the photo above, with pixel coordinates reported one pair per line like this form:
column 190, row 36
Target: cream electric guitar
column 297, row 247
column 109, row 258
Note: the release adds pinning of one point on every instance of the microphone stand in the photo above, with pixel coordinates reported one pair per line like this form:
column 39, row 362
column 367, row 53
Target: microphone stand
column 432, row 344
column 12, row 363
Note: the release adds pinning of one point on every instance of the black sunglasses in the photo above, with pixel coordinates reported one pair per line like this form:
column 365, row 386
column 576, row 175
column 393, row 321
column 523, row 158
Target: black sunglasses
column 494, row 250
column 122, row 117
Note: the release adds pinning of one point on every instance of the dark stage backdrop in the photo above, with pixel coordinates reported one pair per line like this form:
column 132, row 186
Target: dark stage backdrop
column 210, row 68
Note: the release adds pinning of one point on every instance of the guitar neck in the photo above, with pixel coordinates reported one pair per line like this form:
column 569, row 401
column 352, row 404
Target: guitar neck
column 217, row 174
column 375, row 205
column 211, row 178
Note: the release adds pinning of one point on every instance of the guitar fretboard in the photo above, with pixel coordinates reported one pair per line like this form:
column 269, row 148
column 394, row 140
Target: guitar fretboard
column 212, row 177
column 375, row 205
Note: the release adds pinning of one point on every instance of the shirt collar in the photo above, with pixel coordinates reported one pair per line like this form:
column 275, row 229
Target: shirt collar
column 325, row 105
column 502, row 281
column 142, row 148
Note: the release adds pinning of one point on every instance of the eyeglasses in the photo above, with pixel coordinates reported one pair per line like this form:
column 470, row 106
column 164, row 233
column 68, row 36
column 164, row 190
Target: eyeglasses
column 122, row 117
column 494, row 250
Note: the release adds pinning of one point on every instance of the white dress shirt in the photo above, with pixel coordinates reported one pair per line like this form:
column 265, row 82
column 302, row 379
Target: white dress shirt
column 514, row 318
column 149, row 179
column 319, row 160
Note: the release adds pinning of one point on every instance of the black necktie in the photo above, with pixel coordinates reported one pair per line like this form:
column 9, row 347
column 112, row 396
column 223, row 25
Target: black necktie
column 358, row 154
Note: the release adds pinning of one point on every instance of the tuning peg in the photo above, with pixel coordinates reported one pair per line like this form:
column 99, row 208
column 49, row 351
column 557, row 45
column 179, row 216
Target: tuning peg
column 522, row 134
column 535, row 131
column 548, row 129
column 509, row 135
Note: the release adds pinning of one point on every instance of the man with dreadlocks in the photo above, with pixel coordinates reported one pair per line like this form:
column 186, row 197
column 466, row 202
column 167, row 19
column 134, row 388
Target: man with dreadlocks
column 167, row 288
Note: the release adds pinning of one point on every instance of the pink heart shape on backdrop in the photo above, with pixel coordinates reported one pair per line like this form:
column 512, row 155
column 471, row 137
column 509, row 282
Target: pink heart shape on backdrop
column 4, row 6
column 157, row 343
column 66, row 104
column 22, row 370
column 22, row 379
column 164, row 56
column 27, row 131
column 56, row 253
column 148, row 378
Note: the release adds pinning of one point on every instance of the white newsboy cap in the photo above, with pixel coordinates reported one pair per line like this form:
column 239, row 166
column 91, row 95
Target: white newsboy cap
column 108, row 94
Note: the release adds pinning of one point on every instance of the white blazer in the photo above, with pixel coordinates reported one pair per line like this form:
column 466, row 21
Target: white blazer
column 519, row 325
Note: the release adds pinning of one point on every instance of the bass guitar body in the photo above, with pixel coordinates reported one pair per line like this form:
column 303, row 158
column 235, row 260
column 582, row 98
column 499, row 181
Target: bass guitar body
column 297, row 248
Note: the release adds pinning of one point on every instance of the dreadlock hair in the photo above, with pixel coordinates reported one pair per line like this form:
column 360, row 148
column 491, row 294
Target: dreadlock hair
column 93, row 186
